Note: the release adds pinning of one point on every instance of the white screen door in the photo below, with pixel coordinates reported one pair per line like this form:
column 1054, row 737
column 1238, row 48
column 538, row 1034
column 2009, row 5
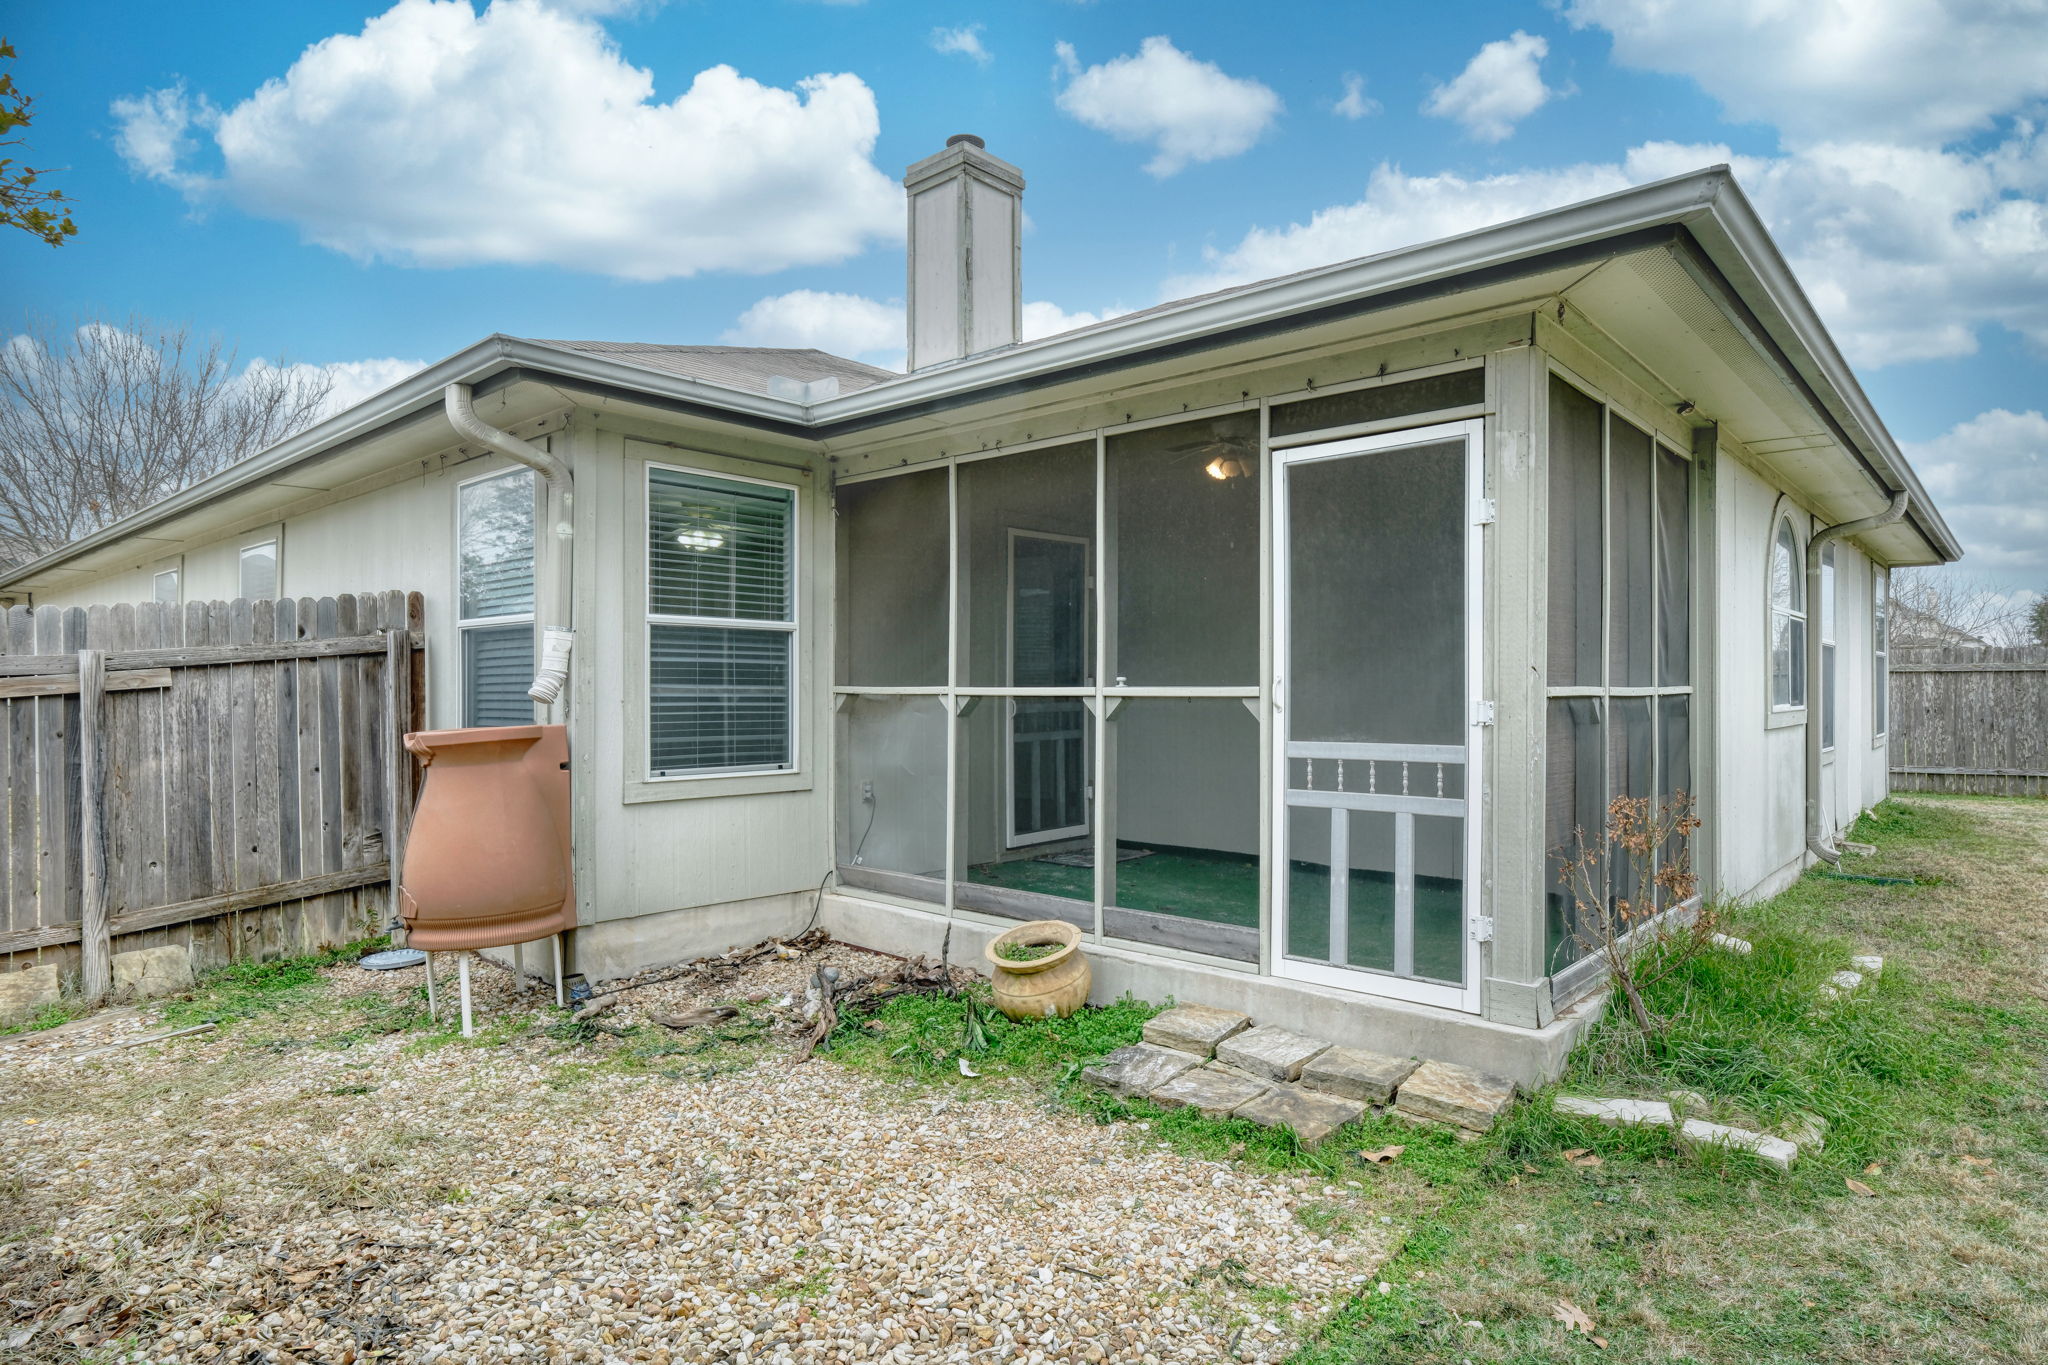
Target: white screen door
column 1047, row 737
column 1376, row 624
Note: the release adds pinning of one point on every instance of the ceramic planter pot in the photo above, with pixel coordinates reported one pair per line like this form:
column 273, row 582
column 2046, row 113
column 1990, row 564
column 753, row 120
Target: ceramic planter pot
column 1049, row 987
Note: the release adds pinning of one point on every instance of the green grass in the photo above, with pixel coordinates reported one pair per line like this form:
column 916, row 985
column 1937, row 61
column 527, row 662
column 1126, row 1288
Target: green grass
column 923, row 1037
column 245, row 990
column 52, row 1015
column 1710, row 1257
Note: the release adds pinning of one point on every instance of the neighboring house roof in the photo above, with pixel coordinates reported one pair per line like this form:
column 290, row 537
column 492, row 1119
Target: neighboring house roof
column 1911, row 626
column 748, row 368
column 1683, row 264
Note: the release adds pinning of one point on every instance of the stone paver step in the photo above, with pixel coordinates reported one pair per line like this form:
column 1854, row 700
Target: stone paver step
column 1139, row 1069
column 1215, row 1090
column 1275, row 1053
column 1312, row 1114
column 1195, row 1028
column 1454, row 1094
column 1356, row 1074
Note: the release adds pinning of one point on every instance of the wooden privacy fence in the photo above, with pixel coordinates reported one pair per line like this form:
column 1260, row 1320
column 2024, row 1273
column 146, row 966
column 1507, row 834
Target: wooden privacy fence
column 165, row 770
column 1970, row 718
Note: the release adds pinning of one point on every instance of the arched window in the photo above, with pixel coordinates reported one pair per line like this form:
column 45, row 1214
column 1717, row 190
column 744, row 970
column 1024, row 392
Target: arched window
column 1788, row 621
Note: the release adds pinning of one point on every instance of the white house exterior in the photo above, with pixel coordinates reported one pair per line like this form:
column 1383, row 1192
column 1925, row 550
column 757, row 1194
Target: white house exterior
column 1397, row 567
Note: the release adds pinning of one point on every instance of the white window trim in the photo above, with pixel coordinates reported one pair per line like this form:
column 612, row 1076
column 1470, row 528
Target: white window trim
column 1785, row 713
column 175, row 567
column 464, row 624
column 274, row 538
column 650, row 619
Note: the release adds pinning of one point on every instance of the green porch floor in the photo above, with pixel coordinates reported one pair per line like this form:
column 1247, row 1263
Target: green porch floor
column 1224, row 889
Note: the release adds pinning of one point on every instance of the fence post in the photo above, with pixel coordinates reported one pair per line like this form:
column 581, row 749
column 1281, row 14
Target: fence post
column 398, row 778
column 96, row 970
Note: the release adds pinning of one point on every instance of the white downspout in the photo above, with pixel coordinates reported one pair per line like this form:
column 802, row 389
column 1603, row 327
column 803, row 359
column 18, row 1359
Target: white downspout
column 1814, row 700
column 554, row 605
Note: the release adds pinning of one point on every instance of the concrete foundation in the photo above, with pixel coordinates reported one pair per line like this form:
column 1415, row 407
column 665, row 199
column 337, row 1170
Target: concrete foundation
column 1530, row 1057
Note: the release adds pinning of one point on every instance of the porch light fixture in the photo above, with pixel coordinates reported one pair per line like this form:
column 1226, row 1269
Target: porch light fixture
column 1225, row 467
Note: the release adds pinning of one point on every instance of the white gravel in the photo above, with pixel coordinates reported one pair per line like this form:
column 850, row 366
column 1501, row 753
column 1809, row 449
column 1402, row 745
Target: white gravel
column 209, row 1199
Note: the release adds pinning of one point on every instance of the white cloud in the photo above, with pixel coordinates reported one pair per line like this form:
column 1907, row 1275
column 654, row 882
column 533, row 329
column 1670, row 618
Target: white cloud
column 1880, row 69
column 1907, row 254
column 1354, row 103
column 1498, row 88
column 1188, row 109
column 964, row 41
column 1049, row 319
column 1989, row 477
column 353, row 380
column 844, row 324
column 439, row 136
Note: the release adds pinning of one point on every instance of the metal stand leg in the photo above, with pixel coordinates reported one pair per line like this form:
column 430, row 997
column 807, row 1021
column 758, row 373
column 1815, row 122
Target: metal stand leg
column 519, row 964
column 561, row 996
column 433, row 1005
column 462, row 971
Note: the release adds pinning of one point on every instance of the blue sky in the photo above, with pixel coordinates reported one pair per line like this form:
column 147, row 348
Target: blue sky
column 369, row 186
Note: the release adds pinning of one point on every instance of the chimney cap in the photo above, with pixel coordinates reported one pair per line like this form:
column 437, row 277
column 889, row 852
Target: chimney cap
column 970, row 139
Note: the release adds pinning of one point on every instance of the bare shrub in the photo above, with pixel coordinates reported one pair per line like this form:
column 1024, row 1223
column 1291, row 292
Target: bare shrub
column 1621, row 883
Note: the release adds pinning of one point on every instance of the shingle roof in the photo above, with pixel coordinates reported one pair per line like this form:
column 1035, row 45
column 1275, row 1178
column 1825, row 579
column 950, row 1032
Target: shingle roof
column 736, row 367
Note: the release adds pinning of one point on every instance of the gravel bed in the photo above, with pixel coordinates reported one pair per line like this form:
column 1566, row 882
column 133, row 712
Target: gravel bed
column 254, row 1195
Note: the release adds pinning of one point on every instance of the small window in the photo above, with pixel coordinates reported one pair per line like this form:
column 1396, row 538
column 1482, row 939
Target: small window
column 164, row 588
column 1880, row 648
column 1827, row 647
column 494, row 597
column 259, row 570
column 1788, row 622
column 721, row 625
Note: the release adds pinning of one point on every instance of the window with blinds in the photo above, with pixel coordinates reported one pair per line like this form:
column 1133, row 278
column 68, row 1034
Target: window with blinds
column 494, row 597
column 721, row 624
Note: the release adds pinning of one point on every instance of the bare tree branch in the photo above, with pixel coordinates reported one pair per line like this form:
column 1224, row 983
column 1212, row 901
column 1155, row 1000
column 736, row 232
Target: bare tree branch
column 101, row 420
column 1939, row 606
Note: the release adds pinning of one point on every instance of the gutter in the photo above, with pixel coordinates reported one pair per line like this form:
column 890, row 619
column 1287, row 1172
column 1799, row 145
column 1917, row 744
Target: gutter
column 1818, row 542
column 554, row 600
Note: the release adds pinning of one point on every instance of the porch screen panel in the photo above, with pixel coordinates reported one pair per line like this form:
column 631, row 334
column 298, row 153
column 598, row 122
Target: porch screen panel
column 1577, row 516
column 1409, row 398
column 1575, row 808
column 1674, row 568
column 1632, row 772
column 1632, row 527
column 1674, row 762
column 892, row 546
column 1185, row 774
column 721, row 624
column 892, row 799
column 1012, row 608
column 1183, row 517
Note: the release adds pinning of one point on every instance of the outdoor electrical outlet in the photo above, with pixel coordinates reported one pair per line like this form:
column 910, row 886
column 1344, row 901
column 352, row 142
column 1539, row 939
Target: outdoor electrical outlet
column 867, row 789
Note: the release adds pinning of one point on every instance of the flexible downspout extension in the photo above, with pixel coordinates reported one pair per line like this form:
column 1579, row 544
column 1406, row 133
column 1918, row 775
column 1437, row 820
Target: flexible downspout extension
column 1821, row 538
column 555, row 603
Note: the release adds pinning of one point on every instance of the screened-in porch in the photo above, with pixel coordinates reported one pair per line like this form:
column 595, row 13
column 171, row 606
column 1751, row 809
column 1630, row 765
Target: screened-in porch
column 1205, row 686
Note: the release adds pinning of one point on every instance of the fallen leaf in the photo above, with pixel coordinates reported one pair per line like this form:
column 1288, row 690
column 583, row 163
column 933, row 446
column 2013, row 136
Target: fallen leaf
column 1601, row 1342
column 1586, row 1159
column 967, row 1070
column 1574, row 1154
column 1983, row 1161
column 1873, row 1168
column 1383, row 1155
column 1858, row 1187
column 1572, row 1316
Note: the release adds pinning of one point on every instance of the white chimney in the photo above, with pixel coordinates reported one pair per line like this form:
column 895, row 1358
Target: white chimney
column 966, row 221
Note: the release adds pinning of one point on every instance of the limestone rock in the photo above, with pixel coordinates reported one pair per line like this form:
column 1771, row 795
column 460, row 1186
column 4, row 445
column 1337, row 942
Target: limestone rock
column 1213, row 1089
column 1616, row 1113
column 1312, row 1114
column 1870, row 964
column 1772, row 1151
column 1730, row 942
column 1194, row 1028
column 142, row 973
column 24, row 992
column 1808, row 1130
column 1455, row 1094
column 1271, row 1052
column 1357, row 1074
column 1138, row 1069
column 1841, row 982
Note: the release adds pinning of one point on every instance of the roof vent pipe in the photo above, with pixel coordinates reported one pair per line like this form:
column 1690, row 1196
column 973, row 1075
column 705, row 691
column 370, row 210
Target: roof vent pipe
column 1815, row 842
column 966, row 221
column 553, row 597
